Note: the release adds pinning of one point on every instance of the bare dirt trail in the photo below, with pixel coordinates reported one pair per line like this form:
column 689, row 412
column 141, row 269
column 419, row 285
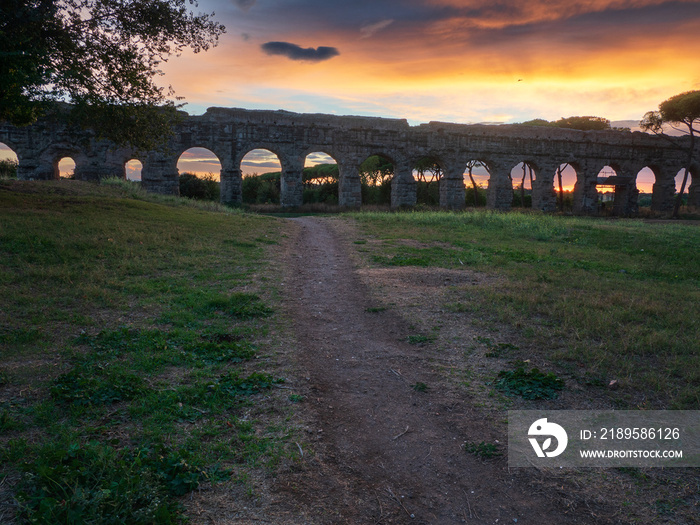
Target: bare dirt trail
column 383, row 452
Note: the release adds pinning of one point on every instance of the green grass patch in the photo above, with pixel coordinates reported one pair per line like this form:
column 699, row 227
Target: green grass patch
column 129, row 317
column 483, row 450
column 375, row 309
column 531, row 384
column 605, row 299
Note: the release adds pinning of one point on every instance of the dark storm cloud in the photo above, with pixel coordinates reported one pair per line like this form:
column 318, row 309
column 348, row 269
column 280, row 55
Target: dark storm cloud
column 295, row 52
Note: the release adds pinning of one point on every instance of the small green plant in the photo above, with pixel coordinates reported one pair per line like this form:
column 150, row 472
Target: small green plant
column 529, row 385
column 241, row 306
column 483, row 450
column 375, row 309
column 420, row 387
column 296, row 398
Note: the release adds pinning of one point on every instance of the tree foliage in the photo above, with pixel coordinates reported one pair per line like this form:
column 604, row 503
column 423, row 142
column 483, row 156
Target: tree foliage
column 682, row 109
column 376, row 170
column 101, row 56
column 319, row 175
column 682, row 113
column 581, row 123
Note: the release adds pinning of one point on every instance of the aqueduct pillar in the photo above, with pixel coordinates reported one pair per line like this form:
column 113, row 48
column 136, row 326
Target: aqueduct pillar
column 452, row 192
column 499, row 194
column 349, row 185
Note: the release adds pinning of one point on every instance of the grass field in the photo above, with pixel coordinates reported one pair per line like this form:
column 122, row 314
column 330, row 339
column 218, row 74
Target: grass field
column 131, row 335
column 138, row 332
column 601, row 299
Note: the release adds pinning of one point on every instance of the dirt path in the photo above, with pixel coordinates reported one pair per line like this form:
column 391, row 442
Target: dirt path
column 384, row 452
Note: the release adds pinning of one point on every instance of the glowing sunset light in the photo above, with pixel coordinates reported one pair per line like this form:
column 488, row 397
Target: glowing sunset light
column 450, row 60
column 199, row 161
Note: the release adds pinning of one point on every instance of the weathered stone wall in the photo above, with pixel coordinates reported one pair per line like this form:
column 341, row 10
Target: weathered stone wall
column 232, row 133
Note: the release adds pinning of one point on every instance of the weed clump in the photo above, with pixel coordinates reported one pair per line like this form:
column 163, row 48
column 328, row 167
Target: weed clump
column 483, row 450
column 531, row 385
column 95, row 386
column 94, row 483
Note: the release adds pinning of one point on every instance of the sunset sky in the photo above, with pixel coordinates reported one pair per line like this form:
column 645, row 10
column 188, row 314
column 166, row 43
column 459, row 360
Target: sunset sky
column 450, row 60
column 463, row 61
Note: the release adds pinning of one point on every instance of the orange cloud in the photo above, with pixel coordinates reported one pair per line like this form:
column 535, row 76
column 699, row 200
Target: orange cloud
column 463, row 66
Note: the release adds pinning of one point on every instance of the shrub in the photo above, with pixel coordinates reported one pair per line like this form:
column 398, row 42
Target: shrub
column 8, row 169
column 202, row 188
column 261, row 189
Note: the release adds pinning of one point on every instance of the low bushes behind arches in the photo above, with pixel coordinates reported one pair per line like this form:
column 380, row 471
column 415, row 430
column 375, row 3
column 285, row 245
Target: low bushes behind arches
column 261, row 170
column 8, row 162
column 199, row 172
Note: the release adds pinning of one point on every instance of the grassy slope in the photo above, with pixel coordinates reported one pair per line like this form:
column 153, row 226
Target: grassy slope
column 602, row 299
column 129, row 332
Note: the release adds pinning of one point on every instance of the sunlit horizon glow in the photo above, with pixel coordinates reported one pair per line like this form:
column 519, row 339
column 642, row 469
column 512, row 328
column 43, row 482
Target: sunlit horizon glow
column 459, row 61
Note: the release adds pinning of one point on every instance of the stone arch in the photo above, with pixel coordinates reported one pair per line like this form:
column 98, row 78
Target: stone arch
column 50, row 159
column 9, row 161
column 476, row 173
column 687, row 186
column 678, row 180
column 321, row 178
column 133, row 169
column 428, row 171
column 523, row 176
column 644, row 182
column 606, row 179
column 53, row 156
column 259, row 148
column 563, row 184
column 259, row 183
column 377, row 173
column 65, row 167
column 200, row 161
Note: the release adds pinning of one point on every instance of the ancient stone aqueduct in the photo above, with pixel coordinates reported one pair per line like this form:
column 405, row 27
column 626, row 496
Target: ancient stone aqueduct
column 232, row 133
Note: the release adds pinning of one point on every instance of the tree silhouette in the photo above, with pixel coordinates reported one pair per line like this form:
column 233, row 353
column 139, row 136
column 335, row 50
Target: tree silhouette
column 682, row 113
column 101, row 56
